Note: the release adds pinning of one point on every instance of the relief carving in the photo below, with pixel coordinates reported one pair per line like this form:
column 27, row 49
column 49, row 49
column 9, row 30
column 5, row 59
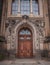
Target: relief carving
column 39, row 25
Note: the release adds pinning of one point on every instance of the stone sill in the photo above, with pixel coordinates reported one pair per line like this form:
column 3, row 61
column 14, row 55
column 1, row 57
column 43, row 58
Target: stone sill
column 20, row 16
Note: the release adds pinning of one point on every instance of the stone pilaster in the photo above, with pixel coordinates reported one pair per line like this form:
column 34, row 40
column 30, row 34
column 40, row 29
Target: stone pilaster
column 45, row 11
column 31, row 8
column 49, row 13
column 19, row 8
column 3, row 18
column 40, row 7
column 9, row 7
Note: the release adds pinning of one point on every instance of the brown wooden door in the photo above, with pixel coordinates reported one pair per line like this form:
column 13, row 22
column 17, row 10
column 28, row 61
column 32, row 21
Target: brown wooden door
column 25, row 44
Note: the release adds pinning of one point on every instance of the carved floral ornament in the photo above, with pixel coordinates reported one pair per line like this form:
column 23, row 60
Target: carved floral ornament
column 40, row 24
column 36, row 23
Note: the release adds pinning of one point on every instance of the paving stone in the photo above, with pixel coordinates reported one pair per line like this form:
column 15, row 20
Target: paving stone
column 25, row 62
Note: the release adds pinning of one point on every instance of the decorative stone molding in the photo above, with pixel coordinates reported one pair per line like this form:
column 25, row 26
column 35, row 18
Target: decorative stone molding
column 15, row 25
column 25, row 17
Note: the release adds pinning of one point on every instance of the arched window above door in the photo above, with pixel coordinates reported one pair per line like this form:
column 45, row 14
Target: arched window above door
column 25, row 32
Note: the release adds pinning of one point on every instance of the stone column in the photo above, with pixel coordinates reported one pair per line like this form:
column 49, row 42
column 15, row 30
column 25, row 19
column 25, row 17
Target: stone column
column 40, row 7
column 9, row 7
column 18, row 7
column 31, row 8
column 49, row 13
column 3, row 18
column 46, row 18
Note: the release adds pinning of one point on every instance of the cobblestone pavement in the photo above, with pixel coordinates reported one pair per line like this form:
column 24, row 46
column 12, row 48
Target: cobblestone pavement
column 24, row 62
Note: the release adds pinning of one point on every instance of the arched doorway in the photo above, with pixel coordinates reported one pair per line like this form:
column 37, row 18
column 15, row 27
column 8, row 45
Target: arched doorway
column 25, row 45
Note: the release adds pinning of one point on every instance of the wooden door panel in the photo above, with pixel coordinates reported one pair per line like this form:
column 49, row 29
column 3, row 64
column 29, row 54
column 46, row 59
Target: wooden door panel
column 20, row 52
column 25, row 49
column 25, row 44
column 28, row 49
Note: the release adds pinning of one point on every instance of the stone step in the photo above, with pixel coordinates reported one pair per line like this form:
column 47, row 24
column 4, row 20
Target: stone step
column 23, row 63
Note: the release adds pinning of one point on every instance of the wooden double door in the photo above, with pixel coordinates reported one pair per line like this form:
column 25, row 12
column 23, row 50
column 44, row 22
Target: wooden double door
column 25, row 47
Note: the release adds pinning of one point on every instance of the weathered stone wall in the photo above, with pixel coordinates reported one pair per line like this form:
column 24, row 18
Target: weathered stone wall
column 1, row 4
column 4, row 17
column 49, row 10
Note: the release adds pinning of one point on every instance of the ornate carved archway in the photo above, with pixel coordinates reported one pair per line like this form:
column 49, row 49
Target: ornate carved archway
column 33, row 26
